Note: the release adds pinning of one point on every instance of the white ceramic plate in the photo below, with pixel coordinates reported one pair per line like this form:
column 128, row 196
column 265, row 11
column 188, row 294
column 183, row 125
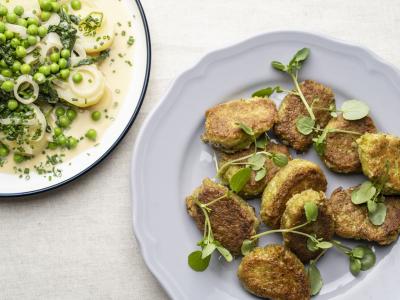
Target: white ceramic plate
column 169, row 160
column 11, row 185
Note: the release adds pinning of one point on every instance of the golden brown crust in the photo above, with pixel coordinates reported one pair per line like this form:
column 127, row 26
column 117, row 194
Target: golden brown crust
column 232, row 219
column 253, row 188
column 294, row 215
column 375, row 151
column 292, row 108
column 351, row 221
column 297, row 176
column 341, row 151
column 222, row 131
column 275, row 273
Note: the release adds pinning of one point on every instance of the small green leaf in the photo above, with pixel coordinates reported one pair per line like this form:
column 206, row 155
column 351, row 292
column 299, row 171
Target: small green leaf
column 379, row 215
column 372, row 206
column 197, row 263
column 354, row 110
column 364, row 193
column 315, row 279
column 247, row 246
column 208, row 250
column 225, row 253
column 279, row 159
column 257, row 161
column 305, row 125
column 311, row 210
column 239, row 180
column 355, row 266
column 324, row 245
column 267, row 92
column 368, row 260
column 246, row 129
column 301, row 55
column 260, row 174
column 279, row 66
column 262, row 142
column 312, row 245
column 358, row 252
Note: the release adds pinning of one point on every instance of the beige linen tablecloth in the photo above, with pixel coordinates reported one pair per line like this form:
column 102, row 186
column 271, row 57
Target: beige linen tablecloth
column 77, row 242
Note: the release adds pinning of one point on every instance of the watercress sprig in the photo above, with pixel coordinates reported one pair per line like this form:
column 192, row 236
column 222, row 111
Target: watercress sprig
column 370, row 193
column 200, row 259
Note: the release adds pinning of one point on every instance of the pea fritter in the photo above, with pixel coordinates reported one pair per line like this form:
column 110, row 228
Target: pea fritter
column 221, row 126
column 294, row 215
column 341, row 150
column 275, row 273
column 380, row 158
column 297, row 176
column 351, row 221
column 253, row 188
column 232, row 219
column 319, row 97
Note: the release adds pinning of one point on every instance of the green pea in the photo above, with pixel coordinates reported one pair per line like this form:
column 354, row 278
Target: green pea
column 3, row 63
column 22, row 22
column 18, row 158
column 60, row 111
column 65, row 53
column 25, row 69
column 72, row 142
column 15, row 43
column 9, row 34
column 3, row 38
column 42, row 31
column 76, row 4
column 16, row 66
column 96, row 116
column 91, row 134
column 32, row 40
column 25, row 44
column 63, row 63
column 45, row 70
column 77, row 77
column 45, row 16
column 7, row 86
column 2, row 27
column 45, row 5
column 55, row 6
column 71, row 114
column 55, row 57
column 32, row 29
column 54, row 67
column 39, row 78
column 19, row 10
column 62, row 140
column 58, row 131
column 52, row 146
column 63, row 121
column 65, row 74
column 12, row 18
column 3, row 11
column 33, row 21
column 4, row 151
column 12, row 104
column 6, row 73
column 20, row 51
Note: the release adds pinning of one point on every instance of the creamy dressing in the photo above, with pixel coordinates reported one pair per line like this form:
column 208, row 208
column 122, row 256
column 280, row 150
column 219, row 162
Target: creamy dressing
column 117, row 70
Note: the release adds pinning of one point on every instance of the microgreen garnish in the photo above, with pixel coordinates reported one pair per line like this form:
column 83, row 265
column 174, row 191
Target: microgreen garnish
column 354, row 110
column 200, row 259
column 314, row 277
column 253, row 162
column 370, row 193
column 292, row 69
column 267, row 92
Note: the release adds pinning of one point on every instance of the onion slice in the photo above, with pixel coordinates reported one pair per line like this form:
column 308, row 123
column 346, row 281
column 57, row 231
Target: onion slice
column 51, row 41
column 21, row 30
column 26, row 79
